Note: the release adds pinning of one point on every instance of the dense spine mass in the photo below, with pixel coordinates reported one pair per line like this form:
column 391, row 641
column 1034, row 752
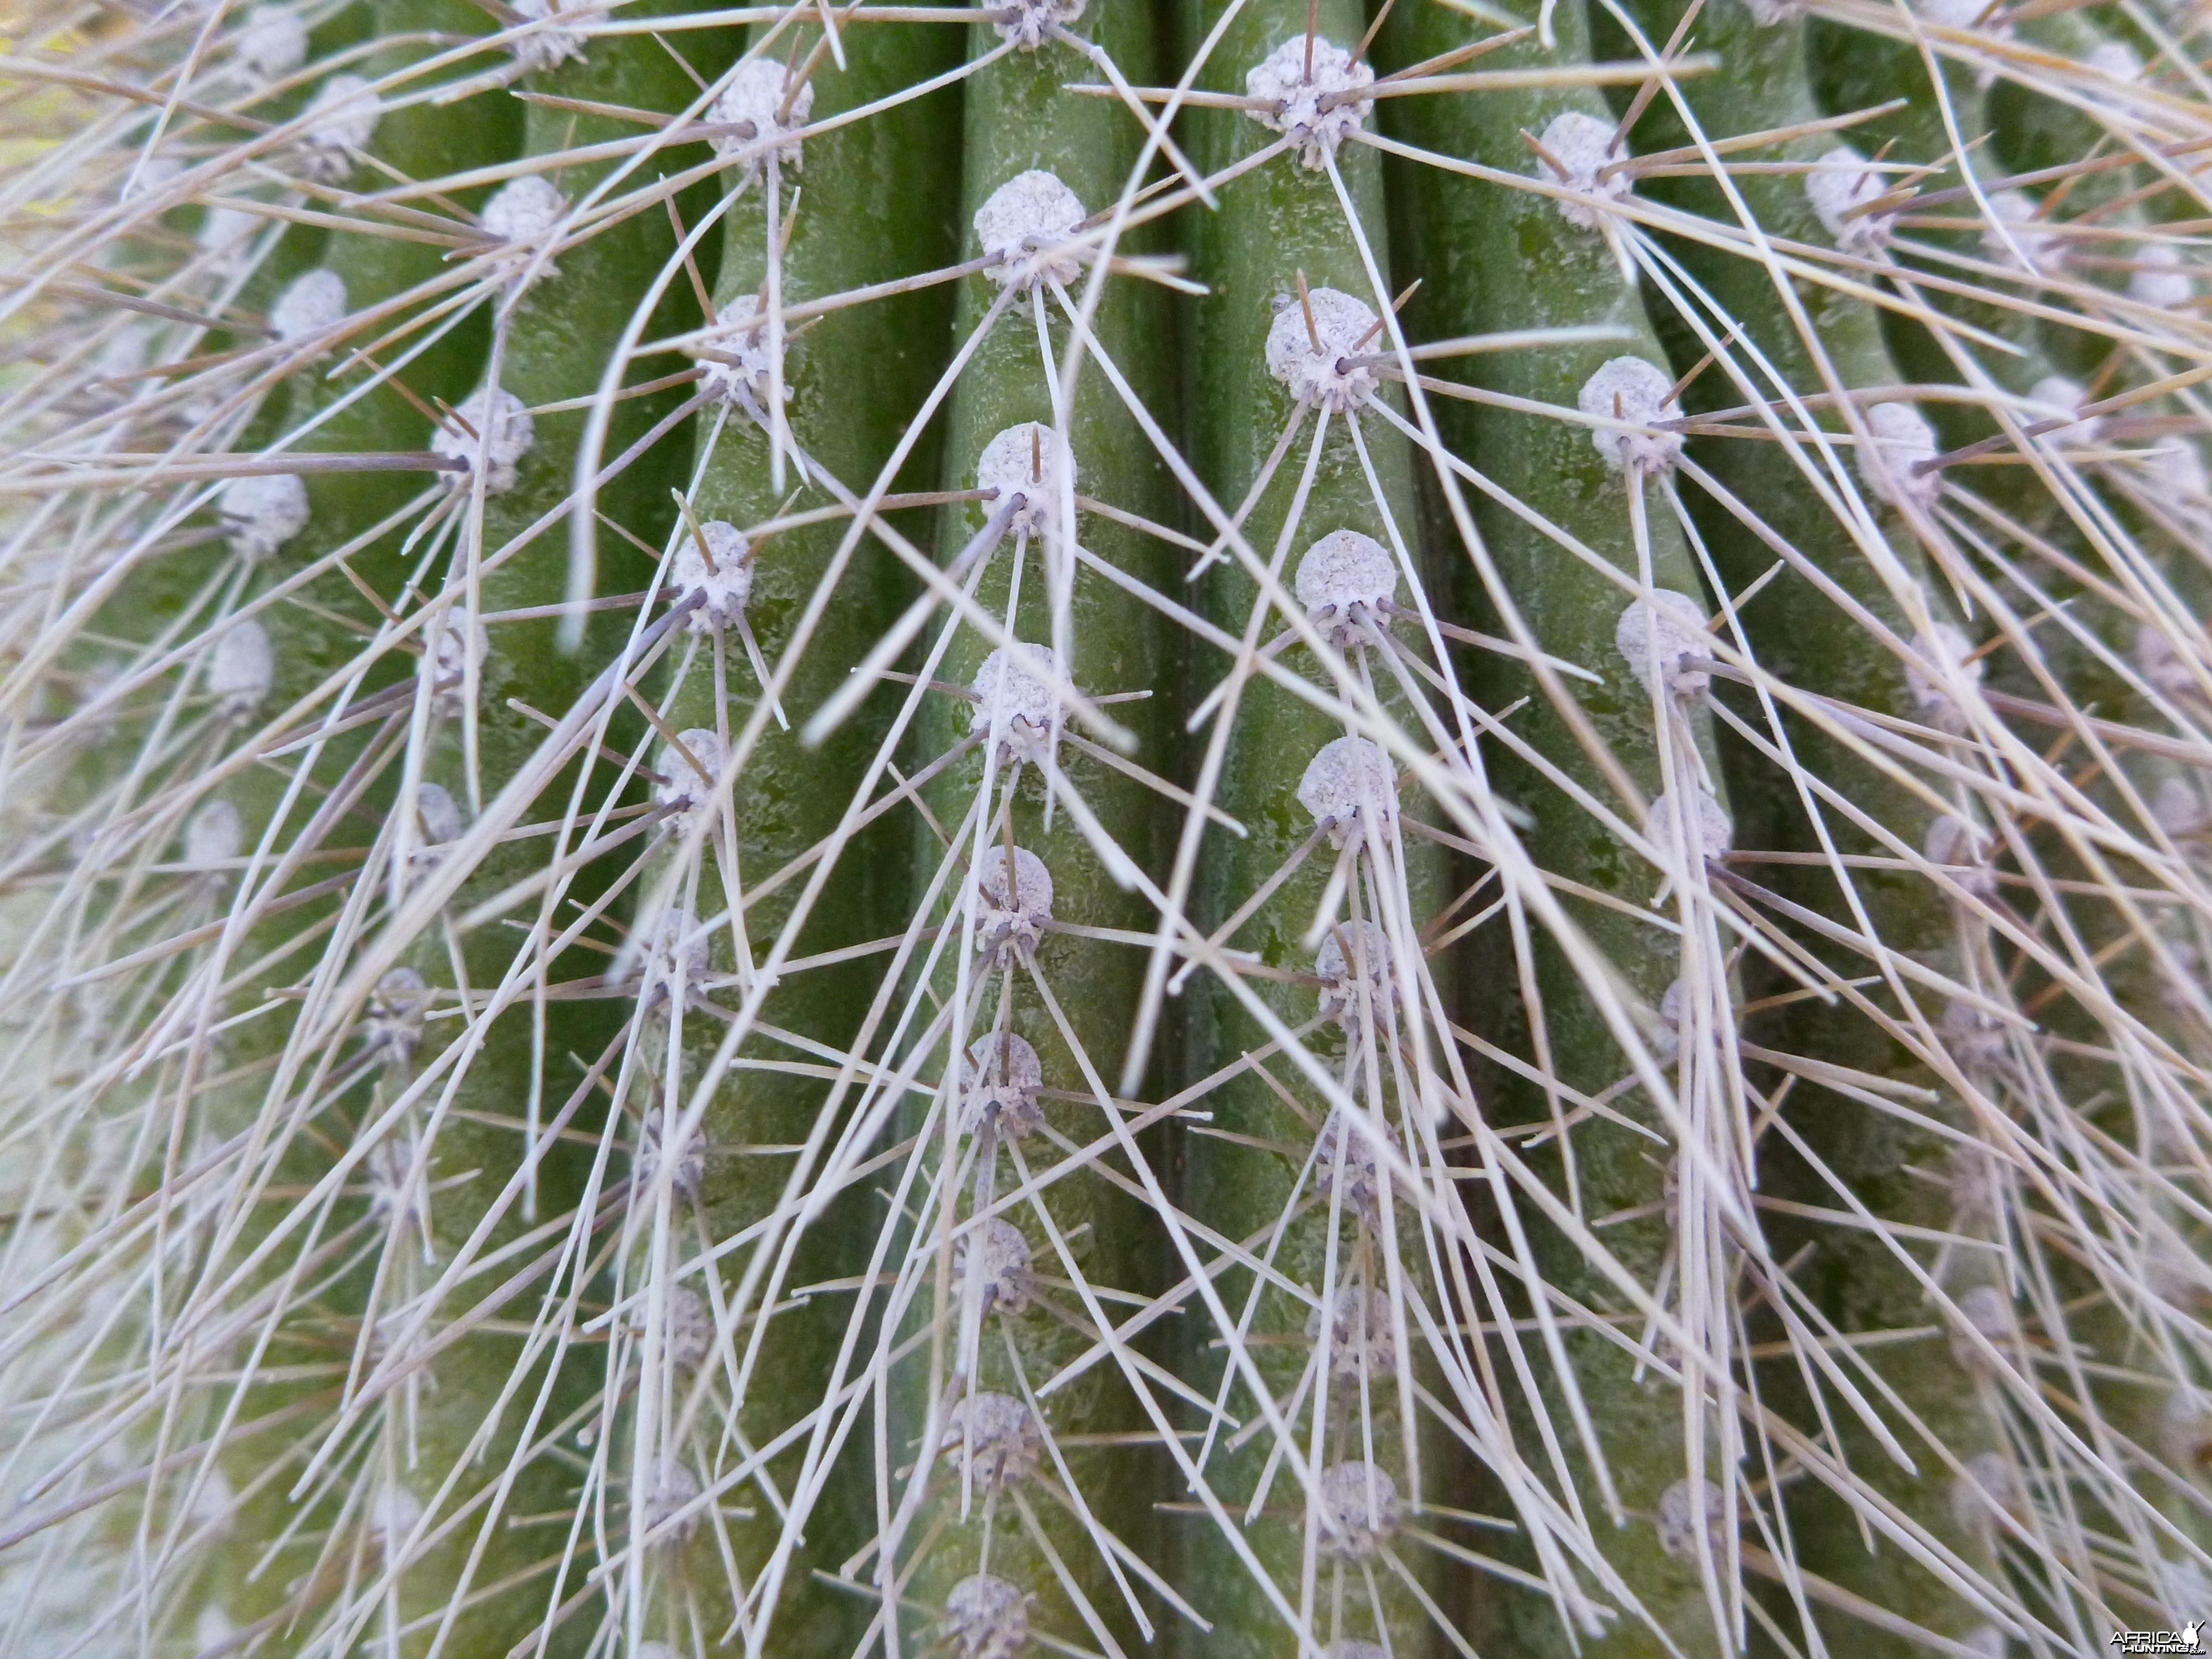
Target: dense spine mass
column 1580, row 557
column 1300, row 831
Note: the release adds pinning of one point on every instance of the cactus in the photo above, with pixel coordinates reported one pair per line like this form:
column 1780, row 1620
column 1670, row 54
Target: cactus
column 1238, row 829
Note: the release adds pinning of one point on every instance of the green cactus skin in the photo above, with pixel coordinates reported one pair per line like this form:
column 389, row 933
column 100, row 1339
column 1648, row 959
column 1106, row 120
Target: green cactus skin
column 2026, row 133
column 549, row 344
column 862, row 223
column 1278, row 224
column 1017, row 118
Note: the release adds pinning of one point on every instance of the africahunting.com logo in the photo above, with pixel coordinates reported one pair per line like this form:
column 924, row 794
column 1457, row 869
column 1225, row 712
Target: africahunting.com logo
column 2190, row 1638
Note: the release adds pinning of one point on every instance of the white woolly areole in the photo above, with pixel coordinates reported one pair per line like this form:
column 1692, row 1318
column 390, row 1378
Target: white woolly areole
column 2185, row 1429
column 675, row 950
column 671, row 1492
column 392, row 1024
column 214, row 835
column 2040, row 247
column 2115, row 59
column 547, row 46
column 1351, row 787
column 499, row 433
column 1024, row 226
column 1665, row 1029
column 687, row 1329
column 1684, row 1510
column 1014, row 697
column 2161, row 277
column 1316, row 111
column 1024, row 461
column 1841, row 182
column 724, row 587
column 393, row 1515
column 1983, row 1494
column 1360, row 1338
column 2179, row 810
column 1349, row 997
column 272, row 42
column 752, row 107
column 2172, row 1272
column 687, row 1168
column 397, row 1191
column 1951, row 14
column 1663, row 638
column 262, row 511
column 1024, row 24
column 1769, row 13
column 2053, row 396
column 1974, row 1037
column 1002, row 1255
column 438, row 813
column 341, row 120
column 1633, row 390
column 1355, row 1509
column 446, row 666
column 2180, row 471
column 312, row 302
column 1010, row 923
column 1900, row 440
column 1975, row 1179
column 123, row 354
column 2164, row 663
column 226, row 229
column 998, row 1084
column 1343, row 580
column 1345, row 328
column 1984, row 1311
column 524, row 209
column 1575, row 146
column 1709, row 823
column 999, row 1437
column 690, row 785
column 1355, row 1133
column 1966, row 849
column 986, row 1617
column 240, row 669
column 734, row 350
column 1944, row 646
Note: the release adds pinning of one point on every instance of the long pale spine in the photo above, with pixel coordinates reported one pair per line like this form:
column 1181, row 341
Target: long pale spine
column 317, row 409
column 560, row 315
